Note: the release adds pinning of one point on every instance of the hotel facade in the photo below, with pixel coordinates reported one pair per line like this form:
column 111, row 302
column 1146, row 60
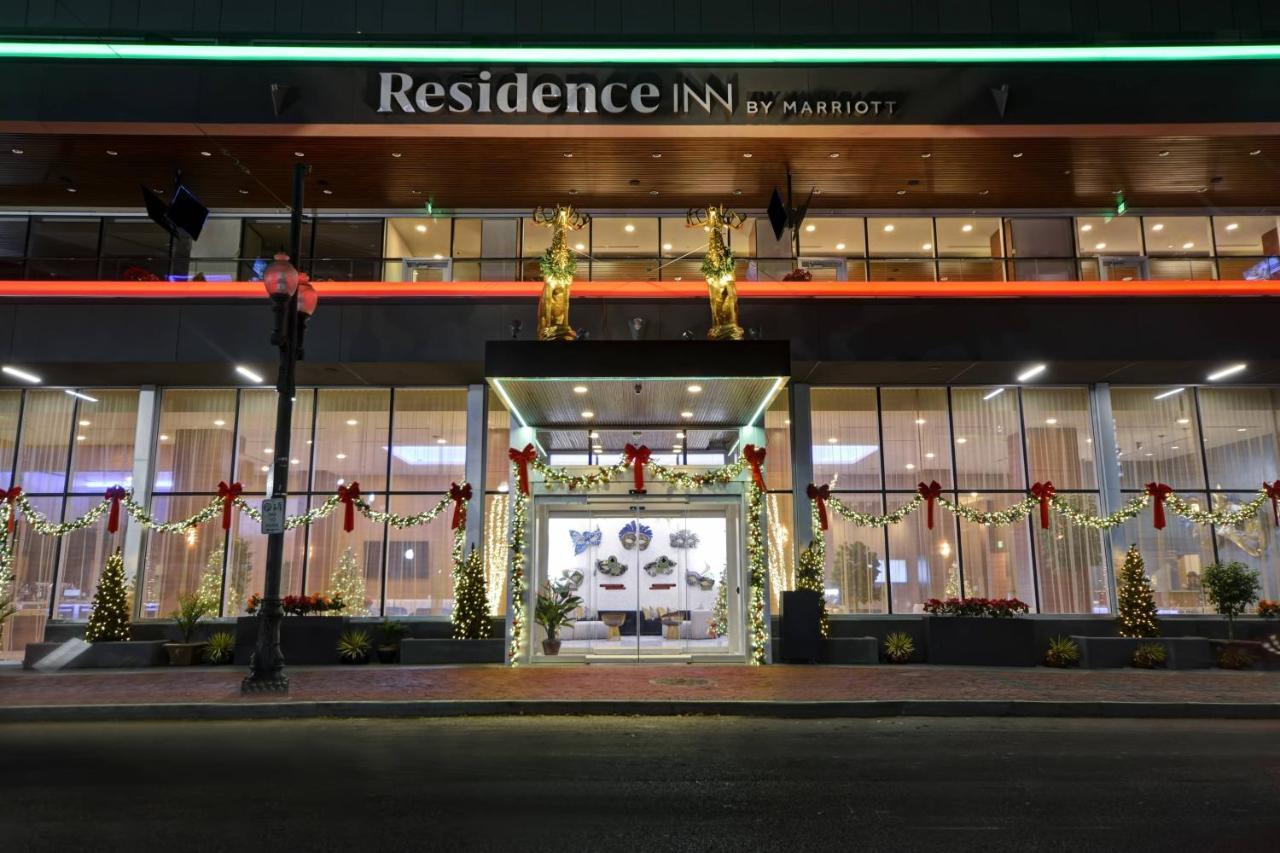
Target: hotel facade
column 992, row 267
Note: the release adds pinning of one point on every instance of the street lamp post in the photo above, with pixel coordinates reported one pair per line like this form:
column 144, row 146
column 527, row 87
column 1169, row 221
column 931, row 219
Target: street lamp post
column 294, row 300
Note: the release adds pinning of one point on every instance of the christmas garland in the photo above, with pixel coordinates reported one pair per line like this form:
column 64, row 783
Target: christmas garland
column 553, row 270
column 717, row 272
column 638, row 460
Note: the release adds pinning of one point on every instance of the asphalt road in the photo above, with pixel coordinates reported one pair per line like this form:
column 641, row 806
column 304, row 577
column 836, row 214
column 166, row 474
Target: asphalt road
column 602, row 785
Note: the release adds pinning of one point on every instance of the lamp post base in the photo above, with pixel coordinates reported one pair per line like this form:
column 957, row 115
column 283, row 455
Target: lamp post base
column 276, row 682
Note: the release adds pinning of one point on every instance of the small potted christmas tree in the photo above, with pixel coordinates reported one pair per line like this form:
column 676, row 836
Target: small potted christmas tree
column 471, row 603
column 191, row 609
column 109, row 616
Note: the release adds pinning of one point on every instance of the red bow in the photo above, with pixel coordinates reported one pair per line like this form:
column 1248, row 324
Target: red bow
column 1159, row 491
column 349, row 495
column 228, row 495
column 819, row 495
column 459, row 495
column 1273, row 492
column 114, row 494
column 523, row 458
column 930, row 493
column 1045, row 492
column 637, row 458
column 755, row 457
column 11, row 497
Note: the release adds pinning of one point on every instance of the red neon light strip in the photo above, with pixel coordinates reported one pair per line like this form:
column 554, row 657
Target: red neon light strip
column 646, row 289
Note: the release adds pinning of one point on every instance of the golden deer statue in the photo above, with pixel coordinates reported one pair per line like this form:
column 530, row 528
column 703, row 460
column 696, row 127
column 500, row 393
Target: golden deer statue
column 717, row 268
column 558, row 266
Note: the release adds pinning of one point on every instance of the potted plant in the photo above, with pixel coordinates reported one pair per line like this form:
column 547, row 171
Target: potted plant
column 1062, row 652
column 899, row 647
column 220, row 647
column 191, row 609
column 979, row 632
column 392, row 633
column 552, row 612
column 1231, row 587
column 354, row 646
column 310, row 639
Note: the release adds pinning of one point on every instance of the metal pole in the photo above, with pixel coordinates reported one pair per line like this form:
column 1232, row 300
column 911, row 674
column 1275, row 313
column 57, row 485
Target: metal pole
column 266, row 668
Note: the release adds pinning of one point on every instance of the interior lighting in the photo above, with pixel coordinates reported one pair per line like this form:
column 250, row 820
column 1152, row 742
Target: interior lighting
column 340, row 456
column 927, row 247
column 832, row 440
column 686, row 415
column 839, row 247
column 421, row 229
column 911, row 466
column 1188, row 245
column 666, row 247
column 78, row 395
column 1184, row 421
column 248, row 374
column 1051, row 421
column 579, row 247
column 594, row 434
column 588, row 414
column 629, row 228
column 961, row 440
column 1168, row 393
column 86, row 423
column 1226, row 371
column 162, row 437
column 966, row 228
column 1031, row 372
column 1086, row 228
column 888, row 229
column 579, row 389
column 994, row 393
column 920, row 421
column 1232, row 226
column 1100, row 246
column 811, row 228
column 695, row 389
column 21, row 374
column 442, row 440
column 1159, row 226
column 79, row 438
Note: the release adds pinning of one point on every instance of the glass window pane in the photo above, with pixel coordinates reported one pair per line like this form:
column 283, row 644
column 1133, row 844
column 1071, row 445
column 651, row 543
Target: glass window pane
column 1157, row 439
column 900, row 237
column 917, row 441
column 1059, row 437
column 263, row 238
column 536, row 239
column 1253, row 543
column 780, row 554
column 1246, row 235
column 856, row 576
column 33, row 581
column 351, row 439
column 176, row 562
column 846, row 437
column 422, row 238
column 834, row 235
column 497, row 508
column 988, row 439
column 996, row 558
column 1071, row 563
column 193, row 448
column 82, row 558
column 777, row 431
column 630, row 235
column 419, row 563
column 679, row 239
column 1174, row 558
column 345, row 250
column 246, row 566
column 923, row 563
column 1110, row 236
column 13, row 236
column 1177, row 235
column 1041, row 237
column 134, row 249
column 1240, row 434
column 10, row 406
column 255, row 455
column 969, row 237
column 429, row 446
column 43, row 446
column 104, row 457
column 338, row 561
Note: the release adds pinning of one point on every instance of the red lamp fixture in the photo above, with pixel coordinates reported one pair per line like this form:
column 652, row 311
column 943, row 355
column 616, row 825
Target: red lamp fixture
column 307, row 295
column 280, row 278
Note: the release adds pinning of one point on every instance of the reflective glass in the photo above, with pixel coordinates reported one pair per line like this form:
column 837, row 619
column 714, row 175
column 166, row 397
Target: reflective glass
column 351, row 440
column 917, row 440
column 988, row 439
column 1071, row 563
column 1157, row 437
column 104, row 456
column 429, row 444
column 996, row 558
column 1059, row 437
column 43, row 448
column 923, row 563
column 846, row 437
column 193, row 445
column 1174, row 558
column 1240, row 435
column 856, row 573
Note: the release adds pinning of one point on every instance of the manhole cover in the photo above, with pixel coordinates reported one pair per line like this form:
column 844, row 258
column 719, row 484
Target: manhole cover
column 677, row 681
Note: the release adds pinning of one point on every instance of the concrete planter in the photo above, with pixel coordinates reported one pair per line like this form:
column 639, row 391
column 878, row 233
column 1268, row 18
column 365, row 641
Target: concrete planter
column 1117, row 652
column 849, row 650
column 304, row 640
column 184, row 654
column 126, row 654
column 452, row 651
column 1260, row 658
column 979, row 641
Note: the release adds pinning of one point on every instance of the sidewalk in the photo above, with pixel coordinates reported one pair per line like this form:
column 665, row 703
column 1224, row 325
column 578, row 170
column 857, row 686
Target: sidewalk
column 802, row 691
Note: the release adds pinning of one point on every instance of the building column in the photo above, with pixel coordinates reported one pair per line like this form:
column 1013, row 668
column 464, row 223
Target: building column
column 144, row 440
column 801, row 467
column 477, row 448
column 1104, row 439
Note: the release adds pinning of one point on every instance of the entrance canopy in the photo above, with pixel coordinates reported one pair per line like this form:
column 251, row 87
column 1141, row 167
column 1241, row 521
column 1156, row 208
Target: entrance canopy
column 687, row 398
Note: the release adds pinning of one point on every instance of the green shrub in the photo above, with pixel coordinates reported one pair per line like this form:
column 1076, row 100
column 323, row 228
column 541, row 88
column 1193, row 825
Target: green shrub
column 1149, row 656
column 191, row 609
column 1062, row 652
column 899, row 647
column 1234, row 657
column 393, row 632
column 354, row 645
column 220, row 647
column 1231, row 587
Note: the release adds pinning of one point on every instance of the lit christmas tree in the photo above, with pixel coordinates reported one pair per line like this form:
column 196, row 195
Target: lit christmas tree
column 347, row 583
column 209, row 590
column 1136, row 606
column 719, row 626
column 810, row 577
column 109, row 618
column 470, row 601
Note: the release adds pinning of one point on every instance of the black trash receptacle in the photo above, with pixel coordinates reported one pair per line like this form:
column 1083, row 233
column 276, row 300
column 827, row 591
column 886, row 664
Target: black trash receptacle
column 801, row 630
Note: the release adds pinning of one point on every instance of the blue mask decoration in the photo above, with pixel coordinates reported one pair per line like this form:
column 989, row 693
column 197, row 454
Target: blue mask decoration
column 582, row 540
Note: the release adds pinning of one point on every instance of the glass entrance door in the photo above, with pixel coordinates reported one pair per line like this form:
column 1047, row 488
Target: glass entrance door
column 656, row 580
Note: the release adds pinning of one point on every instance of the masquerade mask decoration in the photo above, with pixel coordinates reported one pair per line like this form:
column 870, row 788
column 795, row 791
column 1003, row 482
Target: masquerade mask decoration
column 661, row 566
column 684, row 539
column 611, row 567
column 635, row 535
column 584, row 540
column 570, row 581
column 703, row 582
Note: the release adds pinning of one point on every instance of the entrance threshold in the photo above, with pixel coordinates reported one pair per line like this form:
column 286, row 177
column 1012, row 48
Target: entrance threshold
column 633, row 659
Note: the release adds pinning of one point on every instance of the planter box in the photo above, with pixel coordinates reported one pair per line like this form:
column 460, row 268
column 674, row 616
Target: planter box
column 977, row 641
column 131, row 653
column 453, row 651
column 850, row 650
column 1115, row 652
column 304, row 640
column 1262, row 659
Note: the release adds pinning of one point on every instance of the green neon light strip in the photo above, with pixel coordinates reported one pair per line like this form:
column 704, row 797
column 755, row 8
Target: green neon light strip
column 635, row 55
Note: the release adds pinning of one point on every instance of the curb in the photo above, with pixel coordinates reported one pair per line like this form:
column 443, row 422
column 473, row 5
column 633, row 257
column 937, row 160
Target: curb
column 289, row 710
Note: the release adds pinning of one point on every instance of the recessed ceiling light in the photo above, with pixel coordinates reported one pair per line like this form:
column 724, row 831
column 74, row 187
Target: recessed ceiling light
column 266, row 450
column 1226, row 371
column 911, row 467
column 1173, row 447
column 219, row 422
column 352, row 422
column 996, row 392
column 834, row 154
column 1184, row 421
column 1086, row 228
column 17, row 151
column 1051, row 421
column 579, row 247
column 628, row 228
column 666, row 247
column 920, row 421
column 21, row 374
column 299, row 154
column 929, row 455
column 902, row 192
column 1242, row 429
column 1164, row 153
column 593, row 434
column 1255, row 152
column 811, row 228
column 339, row 456
column 680, row 434
column 587, row 413
column 72, row 190
column 579, row 389
column 442, row 440
column 927, row 247
column 694, row 389
column 1168, row 393
column 87, row 423
column 293, row 462
column 242, row 191
column 1231, row 226
column 1017, row 154
column 1188, row 245
column 568, row 155
column 686, row 415
column 164, row 437
column 961, row 440
column 206, row 153
column 679, row 278
column 327, row 191
column 266, row 468
column 421, row 229
column 248, row 374
column 437, row 257
column 888, row 229
column 926, row 155
column 1031, row 372
column 111, row 153
column 79, row 438
column 676, row 448
column 839, row 247
column 79, row 395
column 1150, row 454
column 656, row 155
column 966, row 228
column 1099, row 246
column 746, row 154
column 1159, row 226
